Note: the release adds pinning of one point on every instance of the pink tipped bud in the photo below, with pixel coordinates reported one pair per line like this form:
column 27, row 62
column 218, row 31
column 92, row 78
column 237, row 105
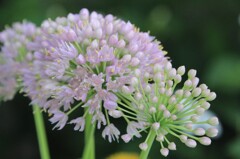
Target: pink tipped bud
column 199, row 131
column 212, row 132
column 80, row 59
column 211, row 96
column 152, row 110
column 181, row 70
column 172, row 146
column 191, row 143
column 166, row 114
column 196, row 92
column 134, row 81
column 183, row 138
column 134, row 62
column 205, row 105
column 143, row 146
column 161, row 107
column 192, row 73
column 126, row 137
column 188, row 83
column 115, row 113
column 164, row 152
column 205, row 141
column 156, row 126
column 213, row 121
column 160, row 137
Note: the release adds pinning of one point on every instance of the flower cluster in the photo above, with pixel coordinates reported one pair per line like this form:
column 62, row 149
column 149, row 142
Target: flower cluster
column 14, row 56
column 104, row 67
column 84, row 60
column 160, row 108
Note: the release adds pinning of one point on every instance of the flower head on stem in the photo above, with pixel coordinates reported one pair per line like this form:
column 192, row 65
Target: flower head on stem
column 158, row 105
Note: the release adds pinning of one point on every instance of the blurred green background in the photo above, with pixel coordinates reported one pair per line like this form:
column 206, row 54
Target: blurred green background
column 200, row 34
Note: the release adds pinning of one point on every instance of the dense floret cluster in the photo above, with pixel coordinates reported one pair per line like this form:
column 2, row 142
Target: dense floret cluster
column 104, row 67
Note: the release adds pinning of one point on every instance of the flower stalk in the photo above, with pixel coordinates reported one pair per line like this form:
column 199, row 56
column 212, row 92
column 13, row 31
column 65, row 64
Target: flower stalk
column 41, row 133
column 149, row 141
column 89, row 148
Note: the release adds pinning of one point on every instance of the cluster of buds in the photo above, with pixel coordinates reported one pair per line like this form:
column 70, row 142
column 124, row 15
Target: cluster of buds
column 83, row 61
column 108, row 68
column 161, row 108
column 14, row 56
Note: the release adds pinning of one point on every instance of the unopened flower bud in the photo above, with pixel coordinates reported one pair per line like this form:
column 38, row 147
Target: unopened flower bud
column 168, row 66
column 121, row 43
column 156, row 126
column 166, row 114
column 188, row 83
column 212, row 132
column 138, row 96
column 179, row 107
column 152, row 110
column 134, row 81
column 160, row 137
column 189, row 126
column 126, row 137
column 203, row 87
column 205, row 140
column 191, row 143
column 157, row 67
column 192, row 73
column 98, row 33
column 172, row 146
column 126, row 90
column 115, row 113
column 146, row 75
column 109, row 28
column 199, row 131
column 179, row 93
column 147, row 88
column 113, row 39
column 183, row 138
column 205, row 93
column 181, row 70
column 126, row 58
column 174, row 117
column 143, row 146
column 172, row 73
column 196, row 92
column 199, row 111
column 164, row 152
column 134, row 62
column 205, row 105
column 213, row 121
column 161, row 107
column 155, row 99
column 211, row 96
column 80, row 59
column 195, row 82
column 177, row 78
column 194, row 118
column 137, row 72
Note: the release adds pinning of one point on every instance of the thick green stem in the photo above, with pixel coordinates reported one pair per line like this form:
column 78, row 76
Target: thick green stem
column 41, row 134
column 89, row 148
column 150, row 138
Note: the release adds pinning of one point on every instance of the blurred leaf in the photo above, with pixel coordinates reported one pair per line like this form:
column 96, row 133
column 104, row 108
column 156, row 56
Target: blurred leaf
column 234, row 148
column 224, row 74
column 230, row 115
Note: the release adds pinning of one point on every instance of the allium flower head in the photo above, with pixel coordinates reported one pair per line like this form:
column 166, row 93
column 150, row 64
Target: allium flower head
column 14, row 56
column 86, row 59
column 163, row 108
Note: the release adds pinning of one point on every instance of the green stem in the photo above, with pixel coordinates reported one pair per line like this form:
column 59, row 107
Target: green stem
column 89, row 149
column 41, row 134
column 150, row 139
